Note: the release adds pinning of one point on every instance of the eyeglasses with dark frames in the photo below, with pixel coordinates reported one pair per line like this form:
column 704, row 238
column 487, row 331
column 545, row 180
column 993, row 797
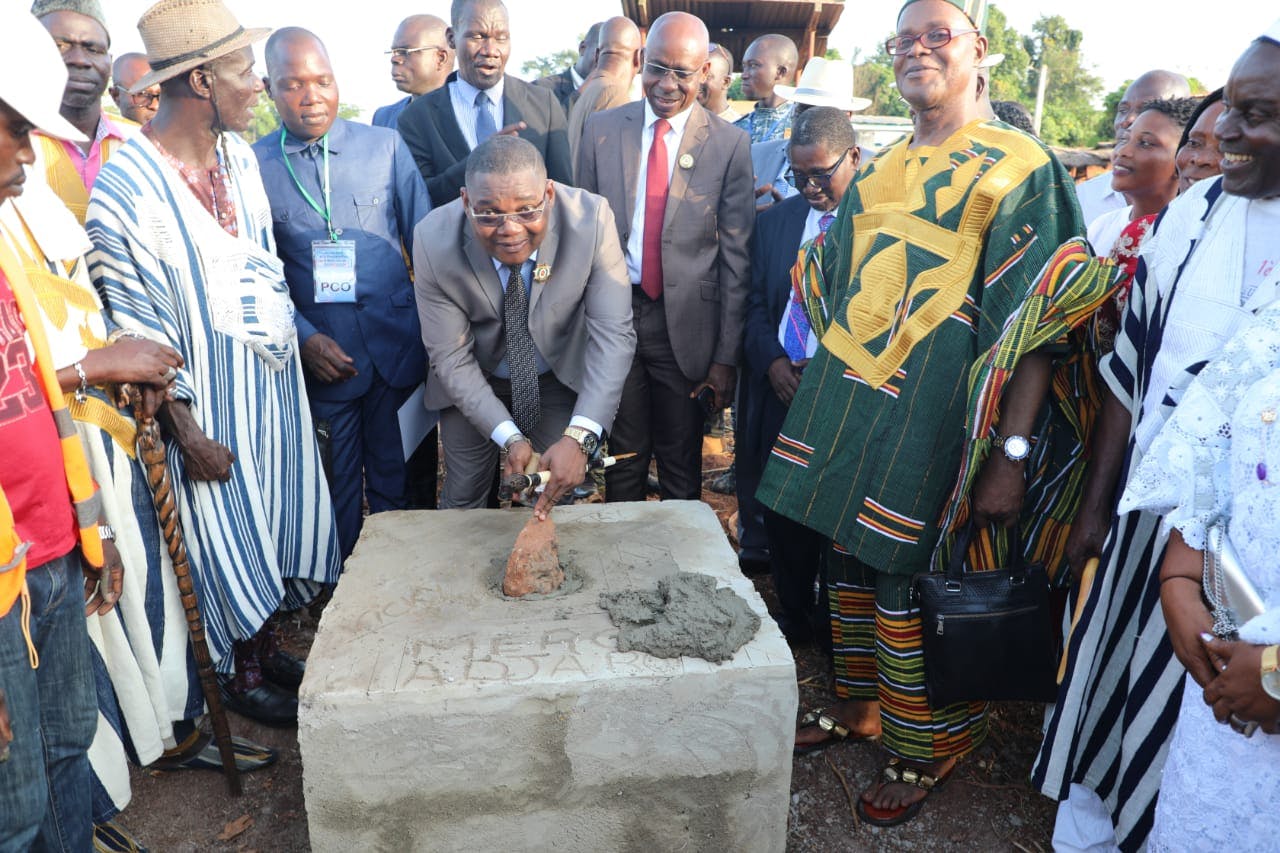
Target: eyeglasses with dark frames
column 144, row 98
column 403, row 52
column 656, row 70
column 932, row 40
column 821, row 180
column 495, row 220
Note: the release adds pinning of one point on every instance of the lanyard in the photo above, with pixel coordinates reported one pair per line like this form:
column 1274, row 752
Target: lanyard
column 327, row 210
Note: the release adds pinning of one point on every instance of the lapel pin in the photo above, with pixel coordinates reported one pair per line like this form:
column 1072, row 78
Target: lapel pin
column 541, row 273
column 686, row 161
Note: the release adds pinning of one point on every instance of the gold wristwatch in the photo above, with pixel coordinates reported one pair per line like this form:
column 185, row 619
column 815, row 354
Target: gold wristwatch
column 586, row 439
column 1271, row 671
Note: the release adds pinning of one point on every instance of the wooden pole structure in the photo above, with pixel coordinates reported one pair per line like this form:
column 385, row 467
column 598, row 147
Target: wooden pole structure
column 151, row 452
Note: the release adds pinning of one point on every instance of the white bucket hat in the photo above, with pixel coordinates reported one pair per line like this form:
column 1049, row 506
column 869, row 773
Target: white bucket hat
column 32, row 75
column 825, row 84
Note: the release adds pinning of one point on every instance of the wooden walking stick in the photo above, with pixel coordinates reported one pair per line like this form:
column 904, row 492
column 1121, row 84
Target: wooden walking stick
column 151, row 452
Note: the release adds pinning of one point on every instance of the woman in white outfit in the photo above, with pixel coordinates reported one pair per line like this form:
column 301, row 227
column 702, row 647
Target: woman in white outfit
column 1217, row 460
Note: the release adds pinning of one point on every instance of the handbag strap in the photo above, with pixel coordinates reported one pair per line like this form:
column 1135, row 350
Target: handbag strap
column 960, row 549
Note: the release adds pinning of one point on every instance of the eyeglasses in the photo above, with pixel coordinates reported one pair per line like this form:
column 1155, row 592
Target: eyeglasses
column 660, row 71
column 144, row 98
column 821, row 180
column 495, row 220
column 403, row 52
column 934, row 39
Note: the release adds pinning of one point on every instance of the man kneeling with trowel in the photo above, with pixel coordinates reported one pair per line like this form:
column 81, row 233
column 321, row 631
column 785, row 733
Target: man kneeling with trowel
column 525, row 304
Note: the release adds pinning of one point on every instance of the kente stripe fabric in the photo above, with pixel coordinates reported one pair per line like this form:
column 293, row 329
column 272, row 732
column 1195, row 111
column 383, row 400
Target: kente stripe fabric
column 1070, row 288
column 141, row 648
column 932, row 251
column 1110, row 727
column 265, row 538
column 876, row 634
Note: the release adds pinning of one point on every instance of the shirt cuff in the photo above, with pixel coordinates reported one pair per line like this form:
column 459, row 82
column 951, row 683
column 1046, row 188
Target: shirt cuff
column 504, row 431
column 586, row 423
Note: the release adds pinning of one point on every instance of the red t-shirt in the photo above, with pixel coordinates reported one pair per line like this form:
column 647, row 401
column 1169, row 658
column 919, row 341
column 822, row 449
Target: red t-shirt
column 32, row 472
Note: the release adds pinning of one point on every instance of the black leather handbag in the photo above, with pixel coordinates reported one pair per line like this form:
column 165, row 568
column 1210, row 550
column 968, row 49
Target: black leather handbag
column 987, row 635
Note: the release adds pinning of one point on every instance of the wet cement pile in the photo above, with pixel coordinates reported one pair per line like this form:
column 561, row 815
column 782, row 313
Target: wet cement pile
column 685, row 615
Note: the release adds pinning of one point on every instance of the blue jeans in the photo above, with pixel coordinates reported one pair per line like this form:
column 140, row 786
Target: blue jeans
column 44, row 786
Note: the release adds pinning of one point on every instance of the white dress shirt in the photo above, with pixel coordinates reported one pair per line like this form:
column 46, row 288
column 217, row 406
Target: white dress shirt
column 635, row 243
column 463, row 96
column 1096, row 196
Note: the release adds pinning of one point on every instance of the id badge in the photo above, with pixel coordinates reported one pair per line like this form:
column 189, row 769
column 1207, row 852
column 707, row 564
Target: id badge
column 333, row 267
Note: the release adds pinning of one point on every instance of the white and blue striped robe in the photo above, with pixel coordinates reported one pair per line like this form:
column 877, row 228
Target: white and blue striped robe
column 168, row 270
column 1117, row 705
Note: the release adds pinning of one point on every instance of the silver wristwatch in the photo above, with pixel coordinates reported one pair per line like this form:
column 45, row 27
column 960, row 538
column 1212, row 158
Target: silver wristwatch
column 106, row 531
column 1015, row 447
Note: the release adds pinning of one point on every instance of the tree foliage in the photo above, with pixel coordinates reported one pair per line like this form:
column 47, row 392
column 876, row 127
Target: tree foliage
column 545, row 66
column 873, row 78
column 1009, row 78
column 1069, row 114
column 267, row 120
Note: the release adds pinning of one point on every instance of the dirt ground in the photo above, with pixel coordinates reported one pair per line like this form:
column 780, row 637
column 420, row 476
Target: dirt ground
column 987, row 804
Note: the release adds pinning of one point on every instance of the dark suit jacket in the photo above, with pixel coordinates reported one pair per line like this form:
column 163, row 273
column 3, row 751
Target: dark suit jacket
column 760, row 413
column 431, row 131
column 705, row 231
column 562, row 86
column 580, row 317
column 773, row 254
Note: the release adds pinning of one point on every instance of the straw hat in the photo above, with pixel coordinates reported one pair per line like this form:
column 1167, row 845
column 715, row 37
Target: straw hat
column 185, row 34
column 825, row 84
column 32, row 75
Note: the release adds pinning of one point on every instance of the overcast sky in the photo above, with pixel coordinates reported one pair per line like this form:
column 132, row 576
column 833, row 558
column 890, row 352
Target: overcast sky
column 1122, row 38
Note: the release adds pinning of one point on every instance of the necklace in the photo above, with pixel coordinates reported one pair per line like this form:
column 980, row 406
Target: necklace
column 1268, row 418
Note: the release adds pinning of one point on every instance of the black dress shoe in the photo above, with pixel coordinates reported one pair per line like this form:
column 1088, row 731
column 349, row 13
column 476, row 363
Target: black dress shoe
column 283, row 669
column 266, row 703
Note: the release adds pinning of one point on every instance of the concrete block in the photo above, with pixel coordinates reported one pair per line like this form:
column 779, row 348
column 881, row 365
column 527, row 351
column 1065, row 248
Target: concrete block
column 438, row 715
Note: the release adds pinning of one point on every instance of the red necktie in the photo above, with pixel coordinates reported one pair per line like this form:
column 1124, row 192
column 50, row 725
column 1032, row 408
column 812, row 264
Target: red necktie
column 655, row 207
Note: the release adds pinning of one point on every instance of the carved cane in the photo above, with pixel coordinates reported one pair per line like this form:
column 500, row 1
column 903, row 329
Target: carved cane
column 151, row 452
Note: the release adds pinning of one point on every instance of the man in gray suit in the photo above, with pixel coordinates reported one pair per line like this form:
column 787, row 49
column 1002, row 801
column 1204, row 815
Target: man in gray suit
column 683, row 198
column 525, row 307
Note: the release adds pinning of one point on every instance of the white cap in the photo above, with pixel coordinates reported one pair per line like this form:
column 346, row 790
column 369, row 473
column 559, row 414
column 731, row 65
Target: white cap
column 32, row 75
column 825, row 84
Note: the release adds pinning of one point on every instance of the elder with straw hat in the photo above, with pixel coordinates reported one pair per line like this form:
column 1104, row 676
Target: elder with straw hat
column 184, row 253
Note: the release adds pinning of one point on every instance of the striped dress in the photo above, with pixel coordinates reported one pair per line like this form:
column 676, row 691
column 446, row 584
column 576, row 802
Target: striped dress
column 168, row 270
column 1111, row 725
